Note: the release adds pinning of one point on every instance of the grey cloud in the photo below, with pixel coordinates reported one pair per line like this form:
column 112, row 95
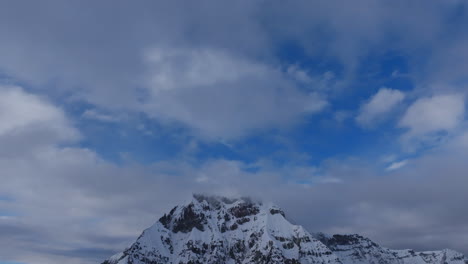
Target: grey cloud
column 15, row 231
column 89, row 50
column 420, row 206
column 104, row 52
column 98, row 47
column 87, row 254
column 118, row 31
column 221, row 94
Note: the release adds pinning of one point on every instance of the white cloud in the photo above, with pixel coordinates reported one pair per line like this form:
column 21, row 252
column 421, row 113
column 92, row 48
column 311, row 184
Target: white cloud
column 20, row 110
column 379, row 105
column 397, row 165
column 441, row 113
column 28, row 122
column 222, row 95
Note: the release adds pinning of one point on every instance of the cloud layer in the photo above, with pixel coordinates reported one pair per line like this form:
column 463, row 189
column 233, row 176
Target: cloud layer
column 222, row 44
column 67, row 204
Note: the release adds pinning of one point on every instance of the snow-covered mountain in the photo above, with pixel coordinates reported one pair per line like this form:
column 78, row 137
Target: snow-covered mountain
column 355, row 249
column 217, row 230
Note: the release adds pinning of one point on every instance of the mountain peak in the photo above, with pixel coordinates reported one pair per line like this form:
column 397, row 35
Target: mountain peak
column 213, row 229
column 197, row 211
column 218, row 230
column 215, row 200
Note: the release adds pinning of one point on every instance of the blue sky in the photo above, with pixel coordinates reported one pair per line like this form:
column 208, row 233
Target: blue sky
column 320, row 134
column 350, row 115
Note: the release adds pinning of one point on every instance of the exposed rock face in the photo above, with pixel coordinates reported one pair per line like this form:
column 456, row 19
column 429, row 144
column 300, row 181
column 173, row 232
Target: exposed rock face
column 355, row 249
column 216, row 230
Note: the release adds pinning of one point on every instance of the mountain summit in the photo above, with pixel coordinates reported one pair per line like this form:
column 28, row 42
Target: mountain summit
column 218, row 230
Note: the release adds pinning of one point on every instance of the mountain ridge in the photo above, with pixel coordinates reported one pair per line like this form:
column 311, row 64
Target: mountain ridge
column 215, row 230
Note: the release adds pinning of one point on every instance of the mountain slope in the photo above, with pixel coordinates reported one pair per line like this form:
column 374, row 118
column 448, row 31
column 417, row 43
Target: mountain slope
column 217, row 230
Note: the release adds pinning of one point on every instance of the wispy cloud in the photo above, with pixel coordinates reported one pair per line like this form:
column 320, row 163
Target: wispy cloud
column 95, row 115
column 397, row 165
